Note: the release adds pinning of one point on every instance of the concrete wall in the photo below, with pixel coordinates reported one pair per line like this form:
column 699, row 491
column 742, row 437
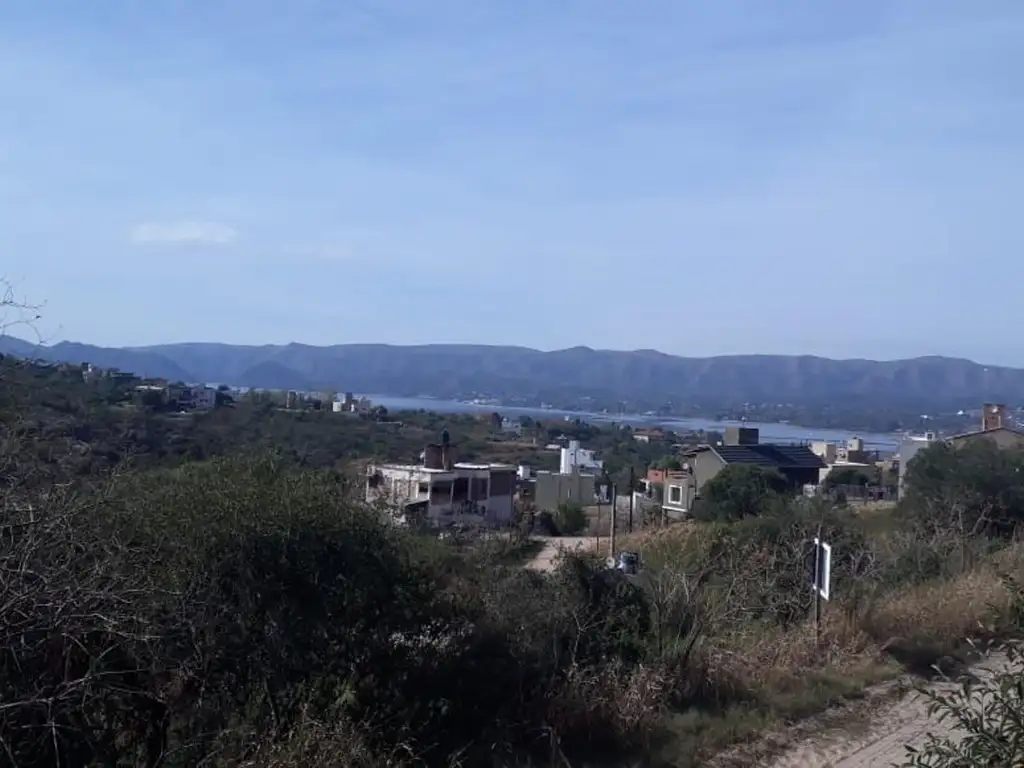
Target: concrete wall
column 706, row 465
column 553, row 488
column 908, row 449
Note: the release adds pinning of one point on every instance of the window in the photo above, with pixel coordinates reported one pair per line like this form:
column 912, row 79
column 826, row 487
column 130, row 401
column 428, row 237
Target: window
column 424, row 489
column 675, row 494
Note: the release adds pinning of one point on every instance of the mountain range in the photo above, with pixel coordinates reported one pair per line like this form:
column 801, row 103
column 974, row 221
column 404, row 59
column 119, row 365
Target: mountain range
column 522, row 374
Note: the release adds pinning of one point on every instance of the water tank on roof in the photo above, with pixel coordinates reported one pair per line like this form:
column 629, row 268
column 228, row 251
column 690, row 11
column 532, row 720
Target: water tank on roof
column 742, row 436
column 432, row 457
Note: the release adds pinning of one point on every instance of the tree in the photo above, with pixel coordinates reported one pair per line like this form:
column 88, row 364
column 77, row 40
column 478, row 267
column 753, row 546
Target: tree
column 15, row 312
column 977, row 489
column 741, row 490
column 570, row 518
column 848, row 476
column 671, row 463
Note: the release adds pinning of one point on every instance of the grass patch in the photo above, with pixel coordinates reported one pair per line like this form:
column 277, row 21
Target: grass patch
column 891, row 618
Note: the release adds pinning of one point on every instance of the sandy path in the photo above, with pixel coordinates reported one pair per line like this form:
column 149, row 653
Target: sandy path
column 883, row 741
column 545, row 559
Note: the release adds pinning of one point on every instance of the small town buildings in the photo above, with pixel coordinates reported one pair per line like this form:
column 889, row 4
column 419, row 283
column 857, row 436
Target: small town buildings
column 190, row 396
column 740, row 445
column 512, row 427
column 92, row 372
column 850, row 454
column 441, row 492
column 576, row 459
column 185, row 396
column 646, row 435
column 346, row 405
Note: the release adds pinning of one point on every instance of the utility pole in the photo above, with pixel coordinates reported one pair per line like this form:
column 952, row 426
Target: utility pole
column 612, row 534
column 632, row 490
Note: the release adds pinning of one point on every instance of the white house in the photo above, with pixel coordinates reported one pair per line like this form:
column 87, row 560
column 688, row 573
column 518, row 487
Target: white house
column 576, row 459
column 188, row 396
column 478, row 494
column 204, row 397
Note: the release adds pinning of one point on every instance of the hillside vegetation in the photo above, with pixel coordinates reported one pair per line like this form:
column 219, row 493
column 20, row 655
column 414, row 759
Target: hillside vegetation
column 579, row 375
column 238, row 605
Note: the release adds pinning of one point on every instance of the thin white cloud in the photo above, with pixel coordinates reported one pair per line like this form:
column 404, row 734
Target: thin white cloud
column 209, row 232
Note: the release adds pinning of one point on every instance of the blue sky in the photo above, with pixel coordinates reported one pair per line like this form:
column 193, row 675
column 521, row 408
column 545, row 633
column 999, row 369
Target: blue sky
column 805, row 176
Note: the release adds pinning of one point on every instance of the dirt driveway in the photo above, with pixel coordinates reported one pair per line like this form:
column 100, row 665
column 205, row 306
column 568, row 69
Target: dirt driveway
column 545, row 559
column 882, row 739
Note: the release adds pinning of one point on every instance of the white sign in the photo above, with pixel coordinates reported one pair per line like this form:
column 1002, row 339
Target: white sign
column 822, row 568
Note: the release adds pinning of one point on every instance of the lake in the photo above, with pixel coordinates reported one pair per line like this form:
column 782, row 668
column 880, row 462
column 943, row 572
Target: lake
column 770, row 433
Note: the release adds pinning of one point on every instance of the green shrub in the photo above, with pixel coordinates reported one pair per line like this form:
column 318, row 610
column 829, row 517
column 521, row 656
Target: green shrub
column 570, row 518
column 988, row 713
column 739, row 491
column 977, row 489
column 227, row 612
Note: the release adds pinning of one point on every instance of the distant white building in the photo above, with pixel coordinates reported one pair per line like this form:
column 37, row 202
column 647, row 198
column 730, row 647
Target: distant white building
column 576, row 459
column 199, row 397
column 511, row 427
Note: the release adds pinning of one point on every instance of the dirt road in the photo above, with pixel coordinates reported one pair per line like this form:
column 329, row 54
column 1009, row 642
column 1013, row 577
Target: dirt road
column 883, row 739
column 545, row 559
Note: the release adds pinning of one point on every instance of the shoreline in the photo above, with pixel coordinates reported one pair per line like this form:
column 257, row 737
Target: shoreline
column 770, row 432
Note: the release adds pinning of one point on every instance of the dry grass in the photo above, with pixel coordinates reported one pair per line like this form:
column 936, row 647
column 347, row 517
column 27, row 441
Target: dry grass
column 790, row 674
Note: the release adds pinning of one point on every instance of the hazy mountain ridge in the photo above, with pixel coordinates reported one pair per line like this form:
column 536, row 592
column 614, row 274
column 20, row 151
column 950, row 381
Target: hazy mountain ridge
column 450, row 370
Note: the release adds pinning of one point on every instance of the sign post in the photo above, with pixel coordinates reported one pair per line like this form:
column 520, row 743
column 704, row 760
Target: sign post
column 822, row 583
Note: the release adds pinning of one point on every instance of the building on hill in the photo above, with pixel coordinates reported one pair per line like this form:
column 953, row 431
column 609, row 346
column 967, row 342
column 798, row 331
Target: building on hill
column 512, row 427
column 996, row 425
column 576, row 459
column 441, row 492
column 192, row 396
column 846, row 455
column 646, row 435
column 740, row 445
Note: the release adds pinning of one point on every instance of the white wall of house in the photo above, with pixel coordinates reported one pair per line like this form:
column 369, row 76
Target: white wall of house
column 401, row 485
column 909, row 447
column 577, row 459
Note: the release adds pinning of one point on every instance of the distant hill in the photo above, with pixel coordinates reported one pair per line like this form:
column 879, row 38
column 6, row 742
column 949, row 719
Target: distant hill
column 643, row 376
